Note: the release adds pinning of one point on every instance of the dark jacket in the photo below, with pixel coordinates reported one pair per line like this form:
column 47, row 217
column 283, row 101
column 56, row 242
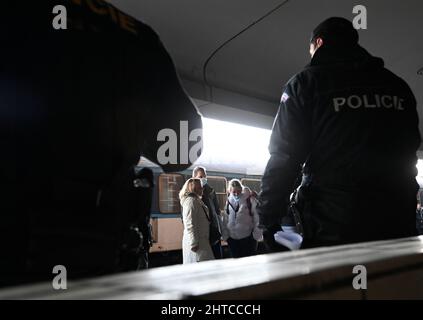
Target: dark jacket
column 210, row 200
column 419, row 221
column 355, row 125
column 78, row 109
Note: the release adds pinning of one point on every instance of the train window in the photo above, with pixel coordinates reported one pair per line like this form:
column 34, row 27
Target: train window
column 219, row 185
column 169, row 187
column 253, row 184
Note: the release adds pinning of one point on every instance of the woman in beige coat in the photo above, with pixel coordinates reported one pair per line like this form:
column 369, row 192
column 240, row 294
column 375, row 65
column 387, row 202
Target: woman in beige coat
column 196, row 219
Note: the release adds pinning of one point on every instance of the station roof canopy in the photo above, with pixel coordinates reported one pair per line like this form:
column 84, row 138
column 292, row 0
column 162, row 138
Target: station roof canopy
column 249, row 72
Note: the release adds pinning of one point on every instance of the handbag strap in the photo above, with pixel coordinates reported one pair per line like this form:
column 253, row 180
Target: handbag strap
column 205, row 212
column 233, row 208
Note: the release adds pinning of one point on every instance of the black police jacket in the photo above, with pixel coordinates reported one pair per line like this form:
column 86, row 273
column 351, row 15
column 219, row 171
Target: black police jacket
column 79, row 106
column 354, row 124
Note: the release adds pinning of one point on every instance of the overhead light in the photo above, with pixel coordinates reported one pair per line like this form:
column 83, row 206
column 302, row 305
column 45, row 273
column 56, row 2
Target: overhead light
column 420, row 72
column 234, row 147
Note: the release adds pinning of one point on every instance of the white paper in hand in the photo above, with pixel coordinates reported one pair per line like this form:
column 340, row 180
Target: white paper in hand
column 289, row 239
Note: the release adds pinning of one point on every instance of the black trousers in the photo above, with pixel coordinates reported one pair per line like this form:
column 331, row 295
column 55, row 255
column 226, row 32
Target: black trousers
column 243, row 247
column 217, row 250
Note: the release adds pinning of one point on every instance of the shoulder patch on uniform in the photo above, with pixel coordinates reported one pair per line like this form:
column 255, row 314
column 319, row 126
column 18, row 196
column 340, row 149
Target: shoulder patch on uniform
column 284, row 97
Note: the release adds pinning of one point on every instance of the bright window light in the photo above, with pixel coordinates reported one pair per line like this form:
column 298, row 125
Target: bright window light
column 232, row 147
column 419, row 166
column 419, row 177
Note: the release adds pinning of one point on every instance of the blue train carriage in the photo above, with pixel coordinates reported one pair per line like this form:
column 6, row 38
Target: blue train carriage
column 167, row 228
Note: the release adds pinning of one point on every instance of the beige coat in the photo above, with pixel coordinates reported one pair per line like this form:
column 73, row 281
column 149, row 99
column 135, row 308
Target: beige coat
column 196, row 230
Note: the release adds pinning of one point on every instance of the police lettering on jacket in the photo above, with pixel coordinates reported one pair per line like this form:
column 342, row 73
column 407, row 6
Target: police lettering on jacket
column 104, row 9
column 370, row 101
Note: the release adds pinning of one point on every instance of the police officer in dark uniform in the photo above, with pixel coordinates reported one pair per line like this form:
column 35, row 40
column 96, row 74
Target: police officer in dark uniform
column 350, row 127
column 79, row 105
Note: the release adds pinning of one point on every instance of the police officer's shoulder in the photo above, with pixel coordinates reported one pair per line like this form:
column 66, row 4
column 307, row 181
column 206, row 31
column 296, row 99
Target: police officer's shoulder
column 396, row 81
column 103, row 16
column 301, row 82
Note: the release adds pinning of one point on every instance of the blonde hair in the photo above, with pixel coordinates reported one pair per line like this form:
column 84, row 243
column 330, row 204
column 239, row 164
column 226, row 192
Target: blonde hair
column 234, row 184
column 188, row 187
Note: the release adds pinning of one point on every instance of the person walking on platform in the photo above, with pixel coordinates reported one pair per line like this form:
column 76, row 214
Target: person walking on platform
column 353, row 127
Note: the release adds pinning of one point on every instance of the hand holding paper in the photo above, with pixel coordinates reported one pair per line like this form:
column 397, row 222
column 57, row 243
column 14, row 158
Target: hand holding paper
column 289, row 238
